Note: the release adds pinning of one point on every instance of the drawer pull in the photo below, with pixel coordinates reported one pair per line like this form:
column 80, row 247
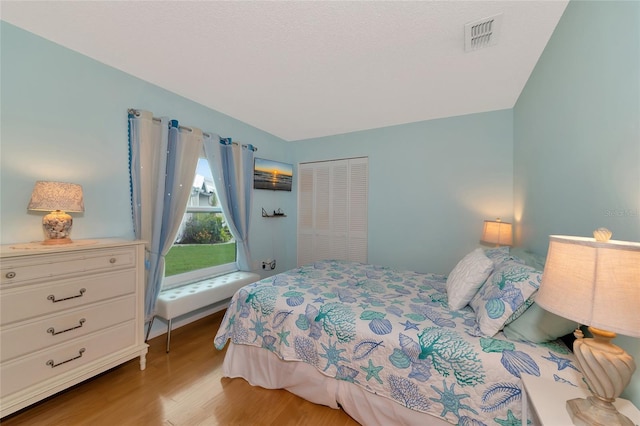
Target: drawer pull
column 52, row 364
column 54, row 332
column 54, row 300
column 112, row 260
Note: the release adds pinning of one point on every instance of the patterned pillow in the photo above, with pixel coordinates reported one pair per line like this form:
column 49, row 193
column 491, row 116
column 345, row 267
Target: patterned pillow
column 467, row 277
column 506, row 290
column 501, row 254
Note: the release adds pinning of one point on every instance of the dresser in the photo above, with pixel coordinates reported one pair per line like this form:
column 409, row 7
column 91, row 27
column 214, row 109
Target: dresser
column 67, row 313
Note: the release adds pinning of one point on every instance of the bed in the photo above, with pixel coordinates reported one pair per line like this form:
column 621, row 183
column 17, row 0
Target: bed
column 385, row 346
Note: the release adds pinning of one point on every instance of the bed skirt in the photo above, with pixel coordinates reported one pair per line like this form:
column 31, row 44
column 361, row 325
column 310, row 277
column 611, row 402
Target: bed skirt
column 262, row 368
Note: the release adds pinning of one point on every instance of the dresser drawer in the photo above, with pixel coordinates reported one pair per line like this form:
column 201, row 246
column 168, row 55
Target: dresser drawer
column 29, row 337
column 52, row 266
column 26, row 302
column 24, row 372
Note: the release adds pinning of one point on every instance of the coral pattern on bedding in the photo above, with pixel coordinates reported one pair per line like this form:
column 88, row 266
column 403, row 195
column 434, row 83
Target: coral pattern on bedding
column 392, row 333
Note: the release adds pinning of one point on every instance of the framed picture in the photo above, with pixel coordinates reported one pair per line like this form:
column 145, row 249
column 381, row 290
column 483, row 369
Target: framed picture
column 274, row 175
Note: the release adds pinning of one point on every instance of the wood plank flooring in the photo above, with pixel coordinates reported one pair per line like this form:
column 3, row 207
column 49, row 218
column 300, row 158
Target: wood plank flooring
column 182, row 388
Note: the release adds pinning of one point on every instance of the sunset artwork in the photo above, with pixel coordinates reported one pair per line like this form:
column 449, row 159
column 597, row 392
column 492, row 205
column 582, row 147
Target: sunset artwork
column 268, row 174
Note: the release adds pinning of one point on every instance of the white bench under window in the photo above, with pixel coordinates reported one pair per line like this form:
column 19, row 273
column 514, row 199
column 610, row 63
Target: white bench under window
column 182, row 300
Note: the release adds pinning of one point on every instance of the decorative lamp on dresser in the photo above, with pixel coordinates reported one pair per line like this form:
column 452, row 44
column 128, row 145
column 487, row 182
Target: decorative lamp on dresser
column 67, row 313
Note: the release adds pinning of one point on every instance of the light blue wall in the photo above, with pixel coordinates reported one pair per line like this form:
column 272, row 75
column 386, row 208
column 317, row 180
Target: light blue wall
column 64, row 117
column 577, row 134
column 431, row 185
column 574, row 165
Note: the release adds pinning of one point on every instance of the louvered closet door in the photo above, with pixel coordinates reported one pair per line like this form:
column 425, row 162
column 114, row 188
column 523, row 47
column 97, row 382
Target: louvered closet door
column 358, row 210
column 332, row 210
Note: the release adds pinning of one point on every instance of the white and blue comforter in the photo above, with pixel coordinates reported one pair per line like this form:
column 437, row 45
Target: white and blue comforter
column 392, row 333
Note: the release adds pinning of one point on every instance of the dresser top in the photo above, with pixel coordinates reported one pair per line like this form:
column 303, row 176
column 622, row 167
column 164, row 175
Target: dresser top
column 36, row 247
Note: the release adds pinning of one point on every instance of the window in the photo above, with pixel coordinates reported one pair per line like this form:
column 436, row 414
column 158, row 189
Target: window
column 204, row 247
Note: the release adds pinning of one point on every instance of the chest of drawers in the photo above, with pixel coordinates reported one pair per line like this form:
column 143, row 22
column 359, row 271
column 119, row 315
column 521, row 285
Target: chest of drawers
column 67, row 313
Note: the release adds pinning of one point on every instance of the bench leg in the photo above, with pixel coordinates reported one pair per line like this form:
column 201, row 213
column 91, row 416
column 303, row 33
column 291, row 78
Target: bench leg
column 168, row 334
column 146, row 338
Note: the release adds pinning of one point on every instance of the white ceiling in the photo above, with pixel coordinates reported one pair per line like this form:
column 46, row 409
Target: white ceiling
column 306, row 69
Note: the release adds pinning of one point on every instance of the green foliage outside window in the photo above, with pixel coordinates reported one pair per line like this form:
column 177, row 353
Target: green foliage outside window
column 205, row 228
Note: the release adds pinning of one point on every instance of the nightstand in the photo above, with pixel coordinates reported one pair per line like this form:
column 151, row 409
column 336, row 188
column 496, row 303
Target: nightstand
column 547, row 401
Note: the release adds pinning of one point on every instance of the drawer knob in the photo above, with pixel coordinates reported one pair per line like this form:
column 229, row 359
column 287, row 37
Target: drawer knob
column 112, row 260
column 10, row 275
column 54, row 300
column 52, row 364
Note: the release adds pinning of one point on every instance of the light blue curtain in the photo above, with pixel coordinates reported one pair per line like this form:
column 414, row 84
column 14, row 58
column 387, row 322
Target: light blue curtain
column 232, row 167
column 163, row 160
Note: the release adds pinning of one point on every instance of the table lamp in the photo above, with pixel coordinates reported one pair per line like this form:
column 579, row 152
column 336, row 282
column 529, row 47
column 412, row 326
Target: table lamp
column 497, row 232
column 56, row 198
column 596, row 282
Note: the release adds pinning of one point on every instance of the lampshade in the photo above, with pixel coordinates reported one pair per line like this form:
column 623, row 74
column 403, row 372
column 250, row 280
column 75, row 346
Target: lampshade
column 593, row 283
column 50, row 196
column 497, row 232
column 596, row 282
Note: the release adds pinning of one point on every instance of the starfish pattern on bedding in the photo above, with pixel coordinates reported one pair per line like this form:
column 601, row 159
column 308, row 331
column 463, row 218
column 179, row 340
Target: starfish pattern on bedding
column 338, row 323
column 258, row 328
column 372, row 371
column 511, row 420
column 451, row 400
column 283, row 337
column 456, row 314
column 562, row 362
column 332, row 354
column 408, row 325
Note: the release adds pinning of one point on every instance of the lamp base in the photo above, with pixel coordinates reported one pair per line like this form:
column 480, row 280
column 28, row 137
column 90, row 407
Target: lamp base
column 595, row 412
column 57, row 241
column 607, row 369
column 57, row 228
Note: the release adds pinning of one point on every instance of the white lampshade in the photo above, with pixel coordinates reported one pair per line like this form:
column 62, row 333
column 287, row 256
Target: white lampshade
column 497, row 232
column 50, row 196
column 593, row 283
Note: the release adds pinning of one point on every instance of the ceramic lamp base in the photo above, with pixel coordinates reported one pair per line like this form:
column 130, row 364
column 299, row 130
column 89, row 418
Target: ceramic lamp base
column 607, row 369
column 57, row 228
column 594, row 412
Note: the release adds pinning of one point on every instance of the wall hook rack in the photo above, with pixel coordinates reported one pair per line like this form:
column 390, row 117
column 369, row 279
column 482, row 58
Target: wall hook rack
column 276, row 213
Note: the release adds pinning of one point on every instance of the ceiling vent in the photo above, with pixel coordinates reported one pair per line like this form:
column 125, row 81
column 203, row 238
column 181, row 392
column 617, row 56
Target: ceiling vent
column 482, row 33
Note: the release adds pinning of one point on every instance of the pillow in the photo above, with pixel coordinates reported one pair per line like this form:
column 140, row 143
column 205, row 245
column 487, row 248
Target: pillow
column 528, row 258
column 467, row 277
column 500, row 254
column 506, row 290
column 539, row 326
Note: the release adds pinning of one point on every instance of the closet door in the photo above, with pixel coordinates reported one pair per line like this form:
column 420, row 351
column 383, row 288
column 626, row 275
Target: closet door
column 332, row 210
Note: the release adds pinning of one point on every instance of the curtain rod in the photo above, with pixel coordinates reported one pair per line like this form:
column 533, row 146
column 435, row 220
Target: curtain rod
column 188, row 129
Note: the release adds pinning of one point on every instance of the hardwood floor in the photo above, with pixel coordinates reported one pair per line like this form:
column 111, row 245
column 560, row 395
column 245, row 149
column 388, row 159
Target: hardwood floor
column 182, row 388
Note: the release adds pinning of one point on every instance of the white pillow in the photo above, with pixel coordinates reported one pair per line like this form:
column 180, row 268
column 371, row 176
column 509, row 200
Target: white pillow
column 467, row 277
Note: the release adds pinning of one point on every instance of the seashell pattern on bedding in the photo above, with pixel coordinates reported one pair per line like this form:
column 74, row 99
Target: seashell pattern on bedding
column 391, row 332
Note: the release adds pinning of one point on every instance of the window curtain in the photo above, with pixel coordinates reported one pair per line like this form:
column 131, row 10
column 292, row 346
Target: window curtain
column 163, row 160
column 232, row 167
